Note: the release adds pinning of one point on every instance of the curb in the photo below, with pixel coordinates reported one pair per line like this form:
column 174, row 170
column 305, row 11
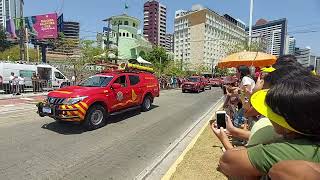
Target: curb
column 173, row 168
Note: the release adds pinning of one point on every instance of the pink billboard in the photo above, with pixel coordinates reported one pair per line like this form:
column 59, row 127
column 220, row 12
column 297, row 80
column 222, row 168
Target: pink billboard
column 43, row 26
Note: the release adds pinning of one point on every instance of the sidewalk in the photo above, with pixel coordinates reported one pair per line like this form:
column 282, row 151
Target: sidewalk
column 200, row 161
column 24, row 95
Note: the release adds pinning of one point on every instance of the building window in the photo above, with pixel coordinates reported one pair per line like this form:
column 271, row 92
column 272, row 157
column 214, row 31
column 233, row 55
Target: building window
column 134, row 24
column 119, row 34
column 120, row 22
column 127, row 34
column 126, row 23
column 124, row 34
column 132, row 35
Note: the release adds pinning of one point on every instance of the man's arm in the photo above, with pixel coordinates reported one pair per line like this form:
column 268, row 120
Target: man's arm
column 236, row 163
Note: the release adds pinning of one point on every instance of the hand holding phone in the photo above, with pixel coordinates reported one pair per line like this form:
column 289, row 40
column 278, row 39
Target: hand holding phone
column 221, row 119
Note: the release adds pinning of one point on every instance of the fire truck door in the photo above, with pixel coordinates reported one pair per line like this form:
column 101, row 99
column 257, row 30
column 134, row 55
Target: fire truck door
column 121, row 97
column 136, row 89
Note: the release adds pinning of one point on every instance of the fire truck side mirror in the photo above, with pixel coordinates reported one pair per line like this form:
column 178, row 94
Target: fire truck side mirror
column 116, row 86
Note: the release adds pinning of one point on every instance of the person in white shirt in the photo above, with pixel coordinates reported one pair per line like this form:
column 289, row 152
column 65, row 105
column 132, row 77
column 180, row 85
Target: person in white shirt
column 12, row 79
column 21, row 83
column 247, row 83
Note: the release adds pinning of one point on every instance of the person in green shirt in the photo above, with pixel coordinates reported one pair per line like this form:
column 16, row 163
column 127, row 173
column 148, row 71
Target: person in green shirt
column 292, row 107
column 262, row 131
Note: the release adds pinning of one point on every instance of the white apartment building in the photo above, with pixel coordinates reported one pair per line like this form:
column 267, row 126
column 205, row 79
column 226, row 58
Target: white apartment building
column 203, row 37
column 304, row 56
column 290, row 45
column 169, row 42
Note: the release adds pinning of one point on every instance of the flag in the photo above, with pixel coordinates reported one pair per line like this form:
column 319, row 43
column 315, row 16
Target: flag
column 126, row 6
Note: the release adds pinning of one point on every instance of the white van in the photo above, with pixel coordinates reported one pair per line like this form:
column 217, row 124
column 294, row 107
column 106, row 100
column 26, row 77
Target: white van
column 50, row 76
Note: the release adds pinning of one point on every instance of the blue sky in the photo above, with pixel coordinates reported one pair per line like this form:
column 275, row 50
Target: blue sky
column 303, row 15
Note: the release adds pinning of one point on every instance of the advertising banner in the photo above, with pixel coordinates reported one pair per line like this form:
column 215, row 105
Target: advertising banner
column 42, row 26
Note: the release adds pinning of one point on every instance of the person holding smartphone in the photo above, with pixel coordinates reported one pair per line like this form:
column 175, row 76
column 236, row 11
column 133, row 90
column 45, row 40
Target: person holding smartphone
column 293, row 116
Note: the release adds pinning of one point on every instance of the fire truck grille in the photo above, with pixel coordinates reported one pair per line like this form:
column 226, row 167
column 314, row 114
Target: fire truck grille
column 55, row 101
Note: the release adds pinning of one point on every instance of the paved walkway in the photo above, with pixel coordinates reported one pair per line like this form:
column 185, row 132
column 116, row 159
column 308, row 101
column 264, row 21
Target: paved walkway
column 24, row 95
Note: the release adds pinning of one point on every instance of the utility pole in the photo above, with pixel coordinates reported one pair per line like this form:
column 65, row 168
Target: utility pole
column 38, row 53
column 27, row 44
column 108, row 36
column 160, row 66
column 117, row 53
column 250, row 24
column 181, row 62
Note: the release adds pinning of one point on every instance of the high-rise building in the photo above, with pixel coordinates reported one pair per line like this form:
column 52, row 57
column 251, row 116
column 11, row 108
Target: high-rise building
column 290, row 45
column 10, row 9
column 170, row 42
column 71, row 32
column 274, row 33
column 155, row 22
column 202, row 36
column 303, row 56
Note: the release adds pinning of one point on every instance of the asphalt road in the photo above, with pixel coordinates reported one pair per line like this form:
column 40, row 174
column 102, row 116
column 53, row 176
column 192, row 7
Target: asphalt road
column 39, row 148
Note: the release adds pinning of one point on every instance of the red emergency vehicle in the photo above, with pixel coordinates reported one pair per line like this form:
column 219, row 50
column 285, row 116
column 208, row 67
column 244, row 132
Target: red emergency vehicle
column 94, row 99
column 194, row 84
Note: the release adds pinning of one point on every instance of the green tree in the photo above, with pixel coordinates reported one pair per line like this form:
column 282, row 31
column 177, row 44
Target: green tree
column 244, row 46
column 174, row 69
column 13, row 54
column 158, row 57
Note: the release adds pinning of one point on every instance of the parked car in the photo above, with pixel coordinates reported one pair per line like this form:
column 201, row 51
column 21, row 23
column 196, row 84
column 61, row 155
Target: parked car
column 194, row 84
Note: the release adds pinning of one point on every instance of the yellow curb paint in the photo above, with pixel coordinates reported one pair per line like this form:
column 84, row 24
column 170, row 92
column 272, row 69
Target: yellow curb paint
column 174, row 166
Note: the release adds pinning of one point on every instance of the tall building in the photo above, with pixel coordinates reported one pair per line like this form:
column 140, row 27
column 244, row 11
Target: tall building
column 10, row 9
column 303, row 56
column 125, row 37
column 202, row 36
column 169, row 42
column 274, row 33
column 155, row 22
column 71, row 32
column 290, row 45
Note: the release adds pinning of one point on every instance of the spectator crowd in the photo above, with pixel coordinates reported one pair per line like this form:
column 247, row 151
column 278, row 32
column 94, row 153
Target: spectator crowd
column 18, row 84
column 272, row 124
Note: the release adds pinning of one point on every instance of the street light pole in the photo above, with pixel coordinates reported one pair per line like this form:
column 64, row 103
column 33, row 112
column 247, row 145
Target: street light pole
column 250, row 24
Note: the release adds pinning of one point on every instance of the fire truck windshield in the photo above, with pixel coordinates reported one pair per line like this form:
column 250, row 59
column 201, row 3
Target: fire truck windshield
column 96, row 81
column 192, row 79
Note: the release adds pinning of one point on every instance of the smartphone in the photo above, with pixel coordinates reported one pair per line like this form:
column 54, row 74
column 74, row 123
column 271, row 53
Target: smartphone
column 221, row 119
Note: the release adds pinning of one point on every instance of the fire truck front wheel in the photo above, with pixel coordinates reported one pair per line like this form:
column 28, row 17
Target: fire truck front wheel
column 95, row 117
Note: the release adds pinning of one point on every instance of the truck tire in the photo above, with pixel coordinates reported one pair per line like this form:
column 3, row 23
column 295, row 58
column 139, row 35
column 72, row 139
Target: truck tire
column 147, row 103
column 95, row 117
column 183, row 91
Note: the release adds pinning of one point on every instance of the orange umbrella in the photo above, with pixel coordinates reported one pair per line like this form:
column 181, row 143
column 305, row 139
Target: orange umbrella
column 256, row 59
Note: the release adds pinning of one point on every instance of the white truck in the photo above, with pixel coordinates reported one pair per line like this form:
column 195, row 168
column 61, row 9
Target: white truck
column 51, row 77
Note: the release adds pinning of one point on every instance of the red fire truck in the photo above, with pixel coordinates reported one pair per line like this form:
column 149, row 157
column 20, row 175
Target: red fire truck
column 94, row 99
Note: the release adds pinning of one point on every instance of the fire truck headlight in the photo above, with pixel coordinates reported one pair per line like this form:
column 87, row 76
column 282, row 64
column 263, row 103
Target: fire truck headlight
column 71, row 101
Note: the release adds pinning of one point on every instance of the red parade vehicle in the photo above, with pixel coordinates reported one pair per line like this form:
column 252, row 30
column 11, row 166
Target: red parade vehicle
column 194, row 84
column 215, row 82
column 94, row 99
